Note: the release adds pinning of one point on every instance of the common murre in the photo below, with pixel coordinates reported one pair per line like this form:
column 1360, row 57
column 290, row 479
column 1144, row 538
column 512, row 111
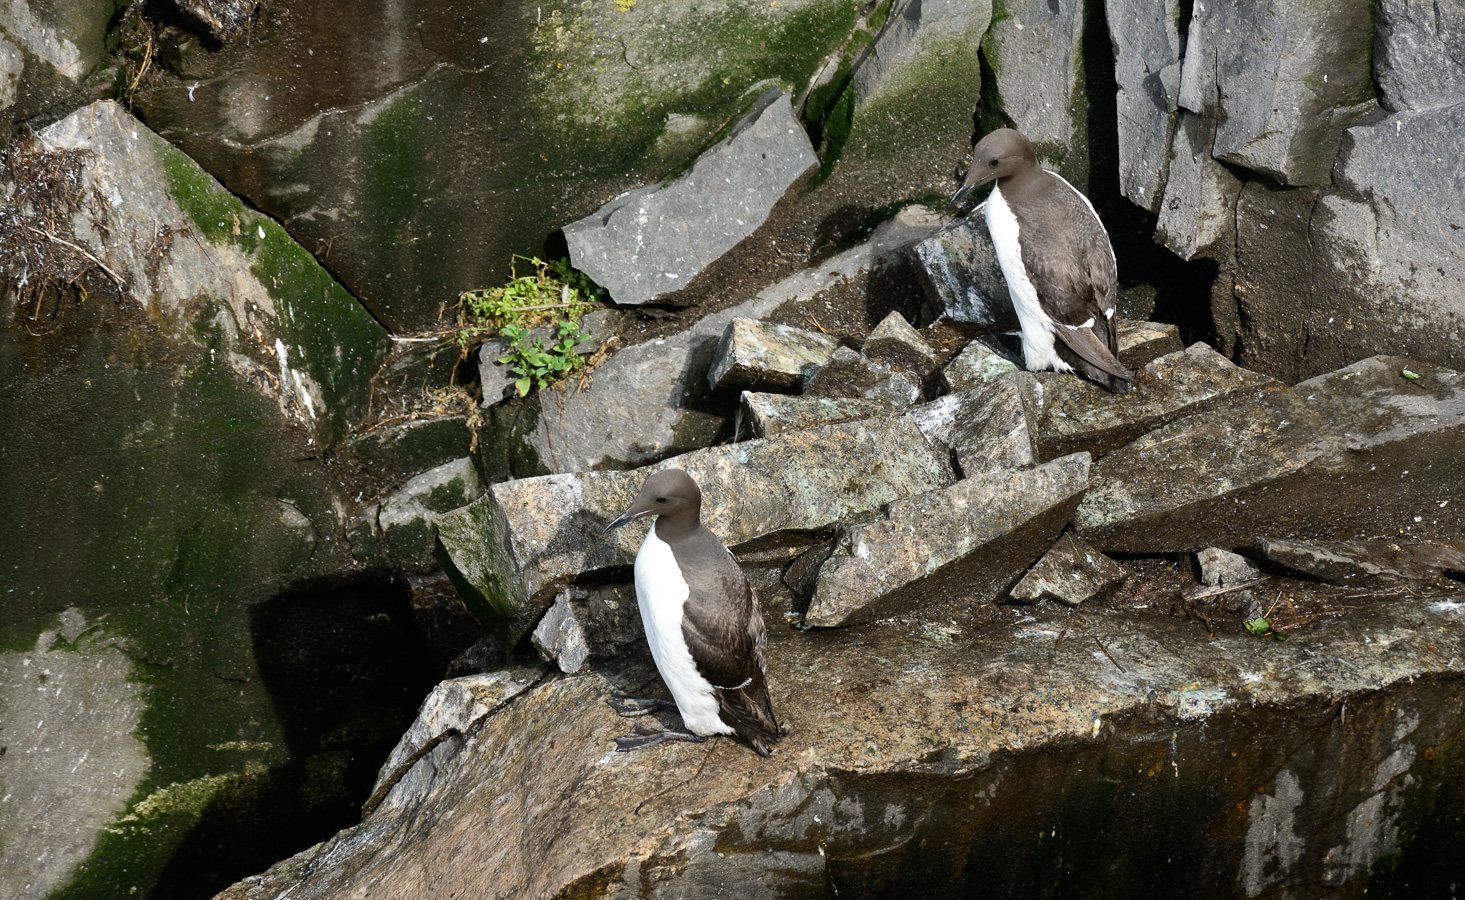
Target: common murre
column 1056, row 258
column 702, row 621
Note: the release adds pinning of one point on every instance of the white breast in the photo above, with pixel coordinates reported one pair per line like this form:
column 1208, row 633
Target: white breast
column 1037, row 327
column 662, row 592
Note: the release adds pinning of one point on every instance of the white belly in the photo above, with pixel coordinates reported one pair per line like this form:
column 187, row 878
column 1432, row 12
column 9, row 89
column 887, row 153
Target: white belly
column 661, row 592
column 1037, row 327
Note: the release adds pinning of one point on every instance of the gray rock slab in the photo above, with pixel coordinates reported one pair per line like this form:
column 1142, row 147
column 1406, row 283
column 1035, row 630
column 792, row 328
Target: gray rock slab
column 896, row 344
column 1419, row 53
column 646, row 402
column 1035, row 52
column 655, row 240
column 1198, row 213
column 905, row 739
column 971, row 539
column 524, row 541
column 769, row 414
column 405, row 518
column 585, row 624
column 453, row 710
column 73, row 756
column 1141, row 343
column 497, row 377
column 849, row 375
column 958, row 270
column 913, row 34
column 1383, row 561
column 762, row 356
column 1222, row 568
column 986, row 427
column 1283, row 82
column 977, row 364
column 1146, row 41
column 48, row 53
column 1071, row 572
column 1070, row 414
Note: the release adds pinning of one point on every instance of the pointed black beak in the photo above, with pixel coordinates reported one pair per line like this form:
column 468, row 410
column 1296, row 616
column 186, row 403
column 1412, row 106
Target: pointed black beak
column 957, row 197
column 620, row 520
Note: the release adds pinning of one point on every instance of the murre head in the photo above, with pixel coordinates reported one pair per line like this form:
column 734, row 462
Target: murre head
column 1001, row 153
column 670, row 494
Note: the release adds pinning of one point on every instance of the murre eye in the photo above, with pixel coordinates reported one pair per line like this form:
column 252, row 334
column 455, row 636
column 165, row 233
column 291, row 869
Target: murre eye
column 660, row 499
column 992, row 163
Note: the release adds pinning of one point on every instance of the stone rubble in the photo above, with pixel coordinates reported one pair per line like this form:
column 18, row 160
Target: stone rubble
column 1071, row 572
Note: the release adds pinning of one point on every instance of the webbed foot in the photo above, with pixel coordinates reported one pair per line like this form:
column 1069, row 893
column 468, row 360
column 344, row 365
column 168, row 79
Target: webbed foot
column 641, row 736
column 626, row 705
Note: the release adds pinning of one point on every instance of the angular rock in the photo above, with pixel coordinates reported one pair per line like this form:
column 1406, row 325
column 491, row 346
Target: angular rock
column 761, row 356
column 1283, row 82
column 648, row 401
column 513, row 550
column 1367, row 563
column 1141, row 343
column 584, row 624
column 414, row 446
column 971, row 539
column 452, row 712
column 48, row 55
column 977, row 364
column 1070, row 414
column 987, row 427
column 1146, row 43
column 1198, row 213
column 894, row 343
column 1071, row 572
column 497, row 377
column 1035, row 52
column 1222, row 568
column 406, row 517
column 958, row 270
column 224, row 19
column 849, row 375
column 655, row 240
column 1419, row 53
column 906, row 739
column 769, row 414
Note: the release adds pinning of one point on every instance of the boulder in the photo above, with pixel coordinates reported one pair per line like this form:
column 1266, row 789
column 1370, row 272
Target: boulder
column 761, row 356
column 977, row 364
column 405, row 518
column 924, row 762
column 585, row 624
column 1283, row 82
column 958, row 270
column 1373, row 563
column 1072, row 572
column 650, row 400
column 770, row 414
column 894, row 343
column 524, row 541
column 1146, row 43
column 848, row 375
column 987, row 427
column 971, row 539
column 1141, row 343
column 652, row 241
column 1198, row 214
column 1222, row 568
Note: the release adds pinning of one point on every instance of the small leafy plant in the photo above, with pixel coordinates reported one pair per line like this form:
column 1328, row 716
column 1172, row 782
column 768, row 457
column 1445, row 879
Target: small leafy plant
column 553, row 295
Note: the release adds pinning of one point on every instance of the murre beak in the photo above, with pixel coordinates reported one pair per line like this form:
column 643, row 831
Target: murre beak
column 957, row 197
column 971, row 182
column 622, row 519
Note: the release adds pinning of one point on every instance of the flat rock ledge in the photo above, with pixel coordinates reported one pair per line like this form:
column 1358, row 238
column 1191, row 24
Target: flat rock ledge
column 928, row 761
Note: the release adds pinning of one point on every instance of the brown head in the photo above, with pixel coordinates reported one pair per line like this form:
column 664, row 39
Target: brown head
column 1001, row 154
column 672, row 496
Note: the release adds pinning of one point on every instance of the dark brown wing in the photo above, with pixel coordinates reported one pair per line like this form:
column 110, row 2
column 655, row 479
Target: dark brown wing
column 1074, row 274
column 729, row 642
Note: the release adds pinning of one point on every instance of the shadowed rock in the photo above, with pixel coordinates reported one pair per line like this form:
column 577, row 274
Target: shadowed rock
column 849, row 375
column 958, row 270
column 1071, row 572
column 1222, row 568
column 896, row 344
column 524, row 541
column 971, row 539
column 1367, row 563
column 652, row 241
column 1141, row 343
column 1198, row 213
column 406, row 517
column 585, row 624
column 987, row 427
column 761, row 356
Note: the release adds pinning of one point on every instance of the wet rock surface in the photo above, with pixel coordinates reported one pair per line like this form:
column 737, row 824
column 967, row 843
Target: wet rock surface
column 655, row 240
column 971, row 539
column 1378, row 562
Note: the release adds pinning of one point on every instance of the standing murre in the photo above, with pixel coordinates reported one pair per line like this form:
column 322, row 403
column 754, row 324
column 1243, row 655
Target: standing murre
column 702, row 621
column 1056, row 258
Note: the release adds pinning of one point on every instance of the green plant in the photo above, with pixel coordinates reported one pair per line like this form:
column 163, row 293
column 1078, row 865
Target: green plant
column 553, row 295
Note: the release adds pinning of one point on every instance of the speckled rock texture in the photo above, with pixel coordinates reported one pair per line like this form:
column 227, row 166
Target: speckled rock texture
column 1071, row 572
column 958, row 270
column 972, row 540
column 1381, row 561
column 770, row 414
column 1141, row 343
column 1110, row 753
column 985, row 427
column 588, row 624
column 976, row 365
column 761, row 356
column 654, row 240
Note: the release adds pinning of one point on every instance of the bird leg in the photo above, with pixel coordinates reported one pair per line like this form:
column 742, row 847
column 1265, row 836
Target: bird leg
column 626, row 705
column 641, row 736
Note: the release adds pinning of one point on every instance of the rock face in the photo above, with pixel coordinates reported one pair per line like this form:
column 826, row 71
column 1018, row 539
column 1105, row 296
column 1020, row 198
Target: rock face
column 976, row 365
column 1222, row 568
column 764, row 357
column 405, row 518
column 958, row 270
column 895, row 783
column 1035, row 53
column 1147, row 69
column 971, row 539
column 655, row 240
column 525, row 541
column 649, row 401
column 1369, row 563
column 1071, row 572
column 598, row 623
column 50, row 55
